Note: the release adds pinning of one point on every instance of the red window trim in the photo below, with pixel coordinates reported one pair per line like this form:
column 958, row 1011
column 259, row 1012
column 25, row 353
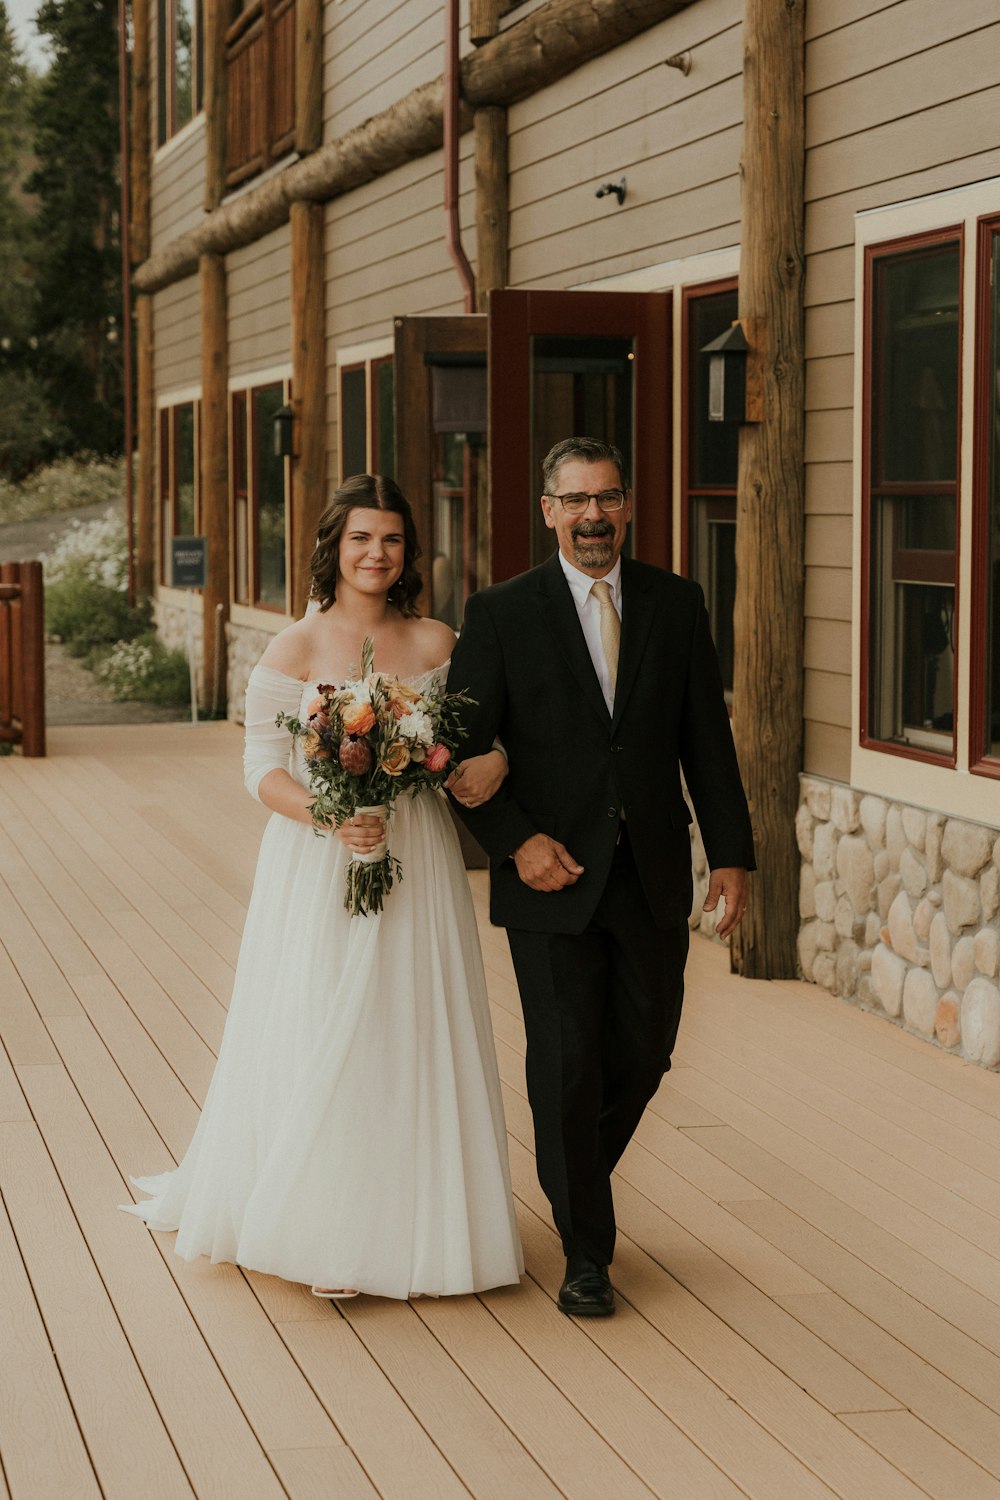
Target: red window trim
column 898, row 249
column 237, row 420
column 981, row 764
column 688, row 492
column 373, row 434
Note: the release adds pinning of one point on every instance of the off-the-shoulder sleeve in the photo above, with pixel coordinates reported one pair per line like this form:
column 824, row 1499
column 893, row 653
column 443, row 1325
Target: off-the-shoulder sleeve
column 267, row 746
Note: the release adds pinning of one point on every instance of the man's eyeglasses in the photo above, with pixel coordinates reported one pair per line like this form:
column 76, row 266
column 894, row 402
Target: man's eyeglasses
column 576, row 503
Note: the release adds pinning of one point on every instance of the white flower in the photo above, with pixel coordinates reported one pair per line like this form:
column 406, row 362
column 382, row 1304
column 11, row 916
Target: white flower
column 416, row 726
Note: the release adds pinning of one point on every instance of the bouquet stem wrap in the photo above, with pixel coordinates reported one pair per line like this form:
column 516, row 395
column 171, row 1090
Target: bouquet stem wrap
column 371, row 876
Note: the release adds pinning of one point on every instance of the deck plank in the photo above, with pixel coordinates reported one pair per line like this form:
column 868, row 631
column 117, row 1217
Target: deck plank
column 808, row 1297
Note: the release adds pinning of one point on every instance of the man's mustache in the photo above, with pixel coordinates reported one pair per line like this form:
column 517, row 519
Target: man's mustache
column 593, row 528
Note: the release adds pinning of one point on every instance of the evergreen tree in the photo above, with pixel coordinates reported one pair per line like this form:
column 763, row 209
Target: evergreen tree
column 14, row 220
column 76, row 260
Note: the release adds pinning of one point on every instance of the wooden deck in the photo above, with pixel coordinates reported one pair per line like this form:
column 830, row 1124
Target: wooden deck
column 809, row 1262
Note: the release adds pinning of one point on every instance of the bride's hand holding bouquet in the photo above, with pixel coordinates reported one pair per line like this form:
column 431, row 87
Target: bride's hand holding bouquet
column 367, row 742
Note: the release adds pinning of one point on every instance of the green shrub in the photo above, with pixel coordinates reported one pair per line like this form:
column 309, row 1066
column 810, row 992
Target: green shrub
column 86, row 578
column 143, row 669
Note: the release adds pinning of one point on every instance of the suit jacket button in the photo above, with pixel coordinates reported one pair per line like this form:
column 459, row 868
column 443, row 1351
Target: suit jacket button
column 616, row 749
column 612, row 812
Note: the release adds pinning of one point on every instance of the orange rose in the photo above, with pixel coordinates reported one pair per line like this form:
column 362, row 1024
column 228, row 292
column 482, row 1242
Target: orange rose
column 400, row 698
column 313, row 747
column 396, row 759
column 358, row 718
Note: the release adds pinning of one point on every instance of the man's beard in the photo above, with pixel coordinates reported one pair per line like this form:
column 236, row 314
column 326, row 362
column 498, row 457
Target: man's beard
column 596, row 555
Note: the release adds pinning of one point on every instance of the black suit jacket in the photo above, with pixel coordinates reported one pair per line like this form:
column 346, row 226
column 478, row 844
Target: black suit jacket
column 573, row 767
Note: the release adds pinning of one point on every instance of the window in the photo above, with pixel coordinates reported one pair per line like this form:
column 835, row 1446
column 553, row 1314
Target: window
column 911, row 465
column 984, row 750
column 261, row 484
column 178, row 478
column 366, row 407
column 179, row 76
column 709, row 468
column 260, row 87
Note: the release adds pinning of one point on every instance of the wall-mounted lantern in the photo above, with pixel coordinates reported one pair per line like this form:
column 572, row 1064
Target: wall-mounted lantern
column 727, row 376
column 284, row 432
column 606, row 190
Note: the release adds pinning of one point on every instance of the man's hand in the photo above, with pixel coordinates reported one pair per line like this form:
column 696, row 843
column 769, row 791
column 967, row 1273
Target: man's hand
column 733, row 884
column 545, row 864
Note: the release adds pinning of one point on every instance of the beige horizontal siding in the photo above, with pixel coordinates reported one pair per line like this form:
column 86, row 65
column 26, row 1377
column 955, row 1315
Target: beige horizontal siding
column 827, row 645
column 373, row 54
column 900, row 100
column 830, row 383
column 826, row 750
column 829, row 489
column 177, row 337
column 177, row 186
column 884, row 34
column 258, row 289
column 675, row 139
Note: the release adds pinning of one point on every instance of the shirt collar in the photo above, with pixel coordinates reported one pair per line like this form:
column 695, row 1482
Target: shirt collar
column 581, row 583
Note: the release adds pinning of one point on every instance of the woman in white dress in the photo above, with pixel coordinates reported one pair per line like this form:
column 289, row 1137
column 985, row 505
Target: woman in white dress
column 353, row 1135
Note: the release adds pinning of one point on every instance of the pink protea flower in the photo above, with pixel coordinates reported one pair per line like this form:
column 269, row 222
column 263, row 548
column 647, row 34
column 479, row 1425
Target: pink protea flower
column 355, row 756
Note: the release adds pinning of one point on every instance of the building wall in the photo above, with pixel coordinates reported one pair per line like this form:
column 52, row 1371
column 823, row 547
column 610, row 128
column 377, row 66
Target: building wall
column 897, row 96
column 899, row 902
column 176, row 337
column 675, row 139
column 177, row 185
column 258, row 292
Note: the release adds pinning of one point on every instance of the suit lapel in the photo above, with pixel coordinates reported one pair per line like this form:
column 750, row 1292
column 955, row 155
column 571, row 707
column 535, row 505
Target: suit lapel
column 638, row 610
column 560, row 615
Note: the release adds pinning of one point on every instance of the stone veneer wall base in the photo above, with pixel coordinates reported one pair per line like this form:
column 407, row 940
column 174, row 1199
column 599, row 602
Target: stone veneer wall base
column 899, row 909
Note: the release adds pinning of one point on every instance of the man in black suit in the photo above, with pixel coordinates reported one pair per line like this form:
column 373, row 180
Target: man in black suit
column 599, row 676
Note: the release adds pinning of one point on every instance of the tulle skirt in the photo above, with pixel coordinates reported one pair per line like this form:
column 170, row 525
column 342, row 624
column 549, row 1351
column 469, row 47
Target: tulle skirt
column 353, row 1133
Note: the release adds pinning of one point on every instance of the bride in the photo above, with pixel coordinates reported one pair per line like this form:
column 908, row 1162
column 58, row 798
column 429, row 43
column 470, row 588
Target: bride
column 353, row 1135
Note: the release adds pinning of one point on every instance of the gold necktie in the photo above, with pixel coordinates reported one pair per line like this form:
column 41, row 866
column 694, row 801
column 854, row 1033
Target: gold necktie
column 611, row 628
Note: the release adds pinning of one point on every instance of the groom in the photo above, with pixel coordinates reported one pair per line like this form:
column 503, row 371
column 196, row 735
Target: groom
column 599, row 676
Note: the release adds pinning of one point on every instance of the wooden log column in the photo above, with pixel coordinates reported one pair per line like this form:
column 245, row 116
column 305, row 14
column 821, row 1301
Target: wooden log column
column 214, row 451
column 490, row 127
column 308, row 391
column 145, row 475
column 142, row 129
column 308, row 75
column 217, row 14
column 768, row 617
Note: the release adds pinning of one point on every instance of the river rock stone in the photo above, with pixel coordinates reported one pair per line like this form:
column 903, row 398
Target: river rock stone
column 856, row 868
column 825, row 971
column 989, row 892
column 826, row 901
column 846, row 920
column 961, row 900
column 804, row 830
column 844, row 809
column 912, row 874
column 940, row 950
column 847, row 971
column 807, row 892
column 986, row 949
column 915, row 826
column 881, row 864
column 963, row 962
column 824, row 841
column 966, row 846
column 932, row 847
column 888, row 975
column 873, row 924
column 920, row 998
column 901, row 933
column 818, row 799
column 947, row 1023
column 872, row 812
column 981, row 1022
column 895, row 836
column 808, row 948
column 887, row 892
column 922, row 919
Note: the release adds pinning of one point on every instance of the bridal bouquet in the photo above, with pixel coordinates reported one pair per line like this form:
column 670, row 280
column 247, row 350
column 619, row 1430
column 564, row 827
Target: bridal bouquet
column 366, row 742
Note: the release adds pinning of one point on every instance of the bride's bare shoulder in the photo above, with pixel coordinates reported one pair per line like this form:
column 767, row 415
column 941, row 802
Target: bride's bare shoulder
column 436, row 640
column 290, row 650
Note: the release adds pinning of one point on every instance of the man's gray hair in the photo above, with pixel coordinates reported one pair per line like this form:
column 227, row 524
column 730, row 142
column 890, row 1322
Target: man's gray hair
column 589, row 451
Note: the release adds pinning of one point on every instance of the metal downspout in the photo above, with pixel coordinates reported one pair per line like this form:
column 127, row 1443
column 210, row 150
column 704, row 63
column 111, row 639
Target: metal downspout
column 124, row 168
column 453, row 229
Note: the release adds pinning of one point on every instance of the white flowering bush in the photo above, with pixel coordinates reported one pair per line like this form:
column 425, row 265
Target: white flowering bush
column 144, row 669
column 86, row 587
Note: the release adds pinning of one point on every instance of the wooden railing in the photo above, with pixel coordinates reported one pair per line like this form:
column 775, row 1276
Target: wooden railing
column 260, row 88
column 22, row 657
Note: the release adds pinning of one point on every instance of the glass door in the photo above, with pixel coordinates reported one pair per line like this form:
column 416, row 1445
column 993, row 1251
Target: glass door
column 577, row 364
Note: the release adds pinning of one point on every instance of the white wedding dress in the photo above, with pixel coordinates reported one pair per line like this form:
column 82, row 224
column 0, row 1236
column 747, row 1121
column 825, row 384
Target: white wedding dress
column 353, row 1132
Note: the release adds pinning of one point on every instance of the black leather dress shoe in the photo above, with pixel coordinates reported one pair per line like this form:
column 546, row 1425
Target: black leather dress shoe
column 586, row 1291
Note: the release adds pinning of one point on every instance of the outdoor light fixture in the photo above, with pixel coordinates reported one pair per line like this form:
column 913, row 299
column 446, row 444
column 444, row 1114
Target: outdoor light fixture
column 618, row 188
column 284, row 440
column 727, row 376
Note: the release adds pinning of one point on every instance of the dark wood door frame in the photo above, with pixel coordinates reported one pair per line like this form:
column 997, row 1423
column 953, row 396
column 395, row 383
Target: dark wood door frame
column 514, row 317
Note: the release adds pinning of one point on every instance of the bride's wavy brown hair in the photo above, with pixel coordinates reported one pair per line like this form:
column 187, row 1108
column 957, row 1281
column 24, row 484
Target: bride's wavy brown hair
column 365, row 492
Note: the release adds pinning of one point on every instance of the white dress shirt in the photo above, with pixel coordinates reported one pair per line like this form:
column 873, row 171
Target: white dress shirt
column 589, row 611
